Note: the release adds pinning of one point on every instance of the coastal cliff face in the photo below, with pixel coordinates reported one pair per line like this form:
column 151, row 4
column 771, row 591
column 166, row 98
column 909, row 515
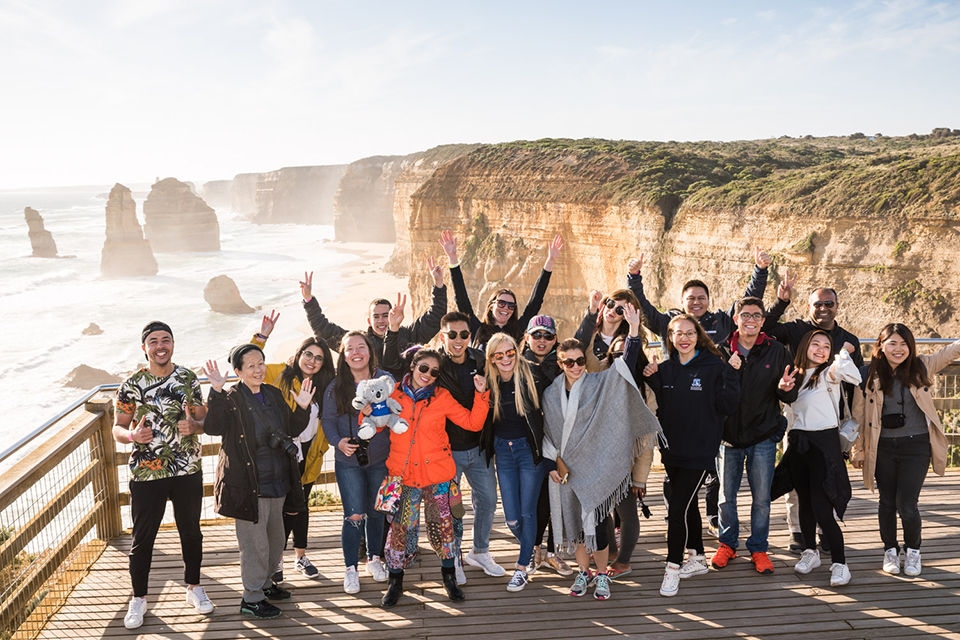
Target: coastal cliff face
column 299, row 195
column 878, row 220
column 243, row 194
column 125, row 251
column 177, row 219
column 41, row 240
column 218, row 194
column 363, row 207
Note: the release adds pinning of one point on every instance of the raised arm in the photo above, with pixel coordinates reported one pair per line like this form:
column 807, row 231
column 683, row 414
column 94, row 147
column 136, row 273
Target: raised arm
column 322, row 328
column 656, row 321
column 462, row 299
column 585, row 330
column 426, row 326
column 758, row 281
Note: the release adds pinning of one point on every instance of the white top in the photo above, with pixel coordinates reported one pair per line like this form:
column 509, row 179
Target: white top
column 817, row 408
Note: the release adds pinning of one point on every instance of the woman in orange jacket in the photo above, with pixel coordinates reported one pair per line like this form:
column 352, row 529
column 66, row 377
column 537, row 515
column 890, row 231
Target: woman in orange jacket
column 422, row 461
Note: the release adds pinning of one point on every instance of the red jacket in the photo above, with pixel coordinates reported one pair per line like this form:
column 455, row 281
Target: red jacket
column 422, row 454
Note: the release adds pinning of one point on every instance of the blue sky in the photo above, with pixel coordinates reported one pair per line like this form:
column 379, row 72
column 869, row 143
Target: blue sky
column 128, row 90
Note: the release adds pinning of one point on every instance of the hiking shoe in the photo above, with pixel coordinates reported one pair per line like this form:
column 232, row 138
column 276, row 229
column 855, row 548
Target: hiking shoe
column 198, row 599
column 580, row 584
column 696, row 565
column 518, row 581
column 275, row 592
column 486, row 562
column 911, row 563
column 260, row 609
column 351, row 580
column 839, row 574
column 602, row 589
column 671, row 580
column 556, row 563
column 809, row 560
column 306, row 568
column 376, row 570
column 277, row 576
column 725, row 553
column 458, row 572
column 761, row 561
column 891, row 561
column 135, row 612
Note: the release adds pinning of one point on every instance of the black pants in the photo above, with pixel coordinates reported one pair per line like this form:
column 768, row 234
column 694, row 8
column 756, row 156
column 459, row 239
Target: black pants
column 684, row 525
column 297, row 523
column 148, row 501
column 711, row 494
column 808, row 472
column 902, row 465
column 543, row 517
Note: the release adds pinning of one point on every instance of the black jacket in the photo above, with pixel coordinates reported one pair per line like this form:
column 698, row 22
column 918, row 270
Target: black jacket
column 236, row 489
column 758, row 415
column 460, row 438
column 534, row 419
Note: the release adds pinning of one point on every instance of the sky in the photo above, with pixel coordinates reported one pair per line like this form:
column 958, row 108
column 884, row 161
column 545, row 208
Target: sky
column 97, row 92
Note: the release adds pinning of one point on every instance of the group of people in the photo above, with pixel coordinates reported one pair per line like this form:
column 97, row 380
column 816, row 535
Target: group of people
column 500, row 400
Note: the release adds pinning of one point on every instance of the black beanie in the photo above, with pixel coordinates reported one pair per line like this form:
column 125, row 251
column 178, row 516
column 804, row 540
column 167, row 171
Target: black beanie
column 237, row 353
column 156, row 325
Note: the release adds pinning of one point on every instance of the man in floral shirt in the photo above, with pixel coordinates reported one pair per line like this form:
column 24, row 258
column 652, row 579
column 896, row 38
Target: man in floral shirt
column 160, row 411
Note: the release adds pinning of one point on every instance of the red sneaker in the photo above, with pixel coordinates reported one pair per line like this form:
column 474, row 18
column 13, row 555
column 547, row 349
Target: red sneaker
column 724, row 554
column 761, row 561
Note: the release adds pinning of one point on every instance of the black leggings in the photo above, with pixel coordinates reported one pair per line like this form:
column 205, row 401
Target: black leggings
column 684, row 525
column 543, row 517
column 807, row 472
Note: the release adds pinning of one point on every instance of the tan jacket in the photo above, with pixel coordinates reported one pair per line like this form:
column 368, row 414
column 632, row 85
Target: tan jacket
column 868, row 405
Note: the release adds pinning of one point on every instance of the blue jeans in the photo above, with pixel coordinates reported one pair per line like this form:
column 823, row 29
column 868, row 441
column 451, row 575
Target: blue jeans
column 358, row 492
column 483, row 493
column 520, row 480
column 760, row 460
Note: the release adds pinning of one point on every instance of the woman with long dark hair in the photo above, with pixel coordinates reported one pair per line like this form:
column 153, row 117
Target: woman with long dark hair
column 900, row 434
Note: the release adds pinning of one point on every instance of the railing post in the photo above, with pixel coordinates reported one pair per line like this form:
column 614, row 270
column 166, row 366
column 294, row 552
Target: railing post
column 108, row 484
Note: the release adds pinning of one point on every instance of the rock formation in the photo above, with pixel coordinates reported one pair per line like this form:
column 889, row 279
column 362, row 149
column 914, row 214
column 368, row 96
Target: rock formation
column 876, row 219
column 363, row 208
column 41, row 240
column 244, row 194
column 125, row 252
column 223, row 296
column 93, row 329
column 299, row 195
column 218, row 194
column 177, row 219
column 86, row 377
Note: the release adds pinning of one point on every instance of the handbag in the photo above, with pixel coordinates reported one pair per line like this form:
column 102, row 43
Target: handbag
column 388, row 495
column 849, row 428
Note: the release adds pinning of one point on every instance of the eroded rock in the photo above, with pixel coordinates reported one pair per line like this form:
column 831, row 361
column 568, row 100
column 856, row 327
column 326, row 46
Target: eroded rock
column 176, row 219
column 125, row 251
column 41, row 240
column 223, row 296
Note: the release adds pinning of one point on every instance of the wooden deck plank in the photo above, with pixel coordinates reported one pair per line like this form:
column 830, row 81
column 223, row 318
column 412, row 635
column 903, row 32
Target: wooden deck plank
column 734, row 602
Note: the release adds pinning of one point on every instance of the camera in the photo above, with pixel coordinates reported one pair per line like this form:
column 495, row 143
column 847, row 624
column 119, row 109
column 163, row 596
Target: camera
column 362, row 455
column 644, row 509
column 283, row 442
column 893, row 420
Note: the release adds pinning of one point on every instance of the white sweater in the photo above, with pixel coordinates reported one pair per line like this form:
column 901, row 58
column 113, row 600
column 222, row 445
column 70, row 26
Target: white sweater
column 817, row 408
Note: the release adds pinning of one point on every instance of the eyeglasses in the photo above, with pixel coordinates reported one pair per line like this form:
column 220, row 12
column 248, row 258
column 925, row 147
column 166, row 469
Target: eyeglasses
column 312, row 357
column 453, row 334
column 542, row 335
column 829, row 304
column 569, row 362
column 684, row 334
column 500, row 355
column 425, row 368
column 611, row 303
column 506, row 304
column 751, row 316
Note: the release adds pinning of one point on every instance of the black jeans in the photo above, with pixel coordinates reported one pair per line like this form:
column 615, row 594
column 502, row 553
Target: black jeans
column 148, row 501
column 684, row 524
column 902, row 465
column 808, row 472
column 711, row 494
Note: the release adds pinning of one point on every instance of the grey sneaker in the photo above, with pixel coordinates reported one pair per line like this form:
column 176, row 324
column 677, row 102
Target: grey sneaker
column 602, row 589
column 486, row 562
column 891, row 561
column 580, row 584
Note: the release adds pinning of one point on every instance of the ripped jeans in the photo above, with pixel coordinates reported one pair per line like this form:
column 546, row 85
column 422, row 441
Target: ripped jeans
column 520, row 480
column 358, row 492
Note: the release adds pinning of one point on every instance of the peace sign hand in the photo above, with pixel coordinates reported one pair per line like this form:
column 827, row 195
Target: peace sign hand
column 788, row 380
column 306, row 286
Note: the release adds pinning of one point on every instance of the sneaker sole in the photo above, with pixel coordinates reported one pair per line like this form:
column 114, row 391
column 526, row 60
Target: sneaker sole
column 805, row 572
column 698, row 572
column 601, row 597
column 513, row 589
column 669, row 594
column 253, row 615
column 578, row 595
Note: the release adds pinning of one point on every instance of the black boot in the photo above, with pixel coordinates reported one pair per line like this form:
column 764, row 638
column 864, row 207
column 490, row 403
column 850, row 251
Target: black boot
column 394, row 590
column 454, row 592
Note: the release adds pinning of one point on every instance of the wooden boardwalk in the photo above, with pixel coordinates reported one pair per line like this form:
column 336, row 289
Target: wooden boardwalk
column 733, row 603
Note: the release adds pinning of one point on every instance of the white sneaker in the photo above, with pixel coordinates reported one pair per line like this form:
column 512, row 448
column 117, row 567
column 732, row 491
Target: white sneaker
column 671, row 580
column 351, row 580
column 135, row 612
column 839, row 574
column 911, row 563
column 458, row 571
column 376, row 570
column 198, row 599
column 696, row 565
column 486, row 562
column 809, row 560
column 518, row 581
column 891, row 561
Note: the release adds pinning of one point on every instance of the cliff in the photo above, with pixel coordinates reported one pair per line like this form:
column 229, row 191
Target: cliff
column 299, row 195
column 41, row 240
column 177, row 219
column 876, row 218
column 363, row 207
column 125, row 252
column 218, row 194
column 243, row 194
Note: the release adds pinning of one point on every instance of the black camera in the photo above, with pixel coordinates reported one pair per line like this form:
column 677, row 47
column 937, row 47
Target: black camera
column 362, row 454
column 893, row 420
column 283, row 442
column 644, row 509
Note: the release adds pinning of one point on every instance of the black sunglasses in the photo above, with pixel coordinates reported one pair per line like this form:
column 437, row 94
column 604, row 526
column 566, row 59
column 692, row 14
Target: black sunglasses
column 425, row 368
column 611, row 303
column 824, row 303
column 453, row 334
column 569, row 362
column 541, row 335
column 506, row 304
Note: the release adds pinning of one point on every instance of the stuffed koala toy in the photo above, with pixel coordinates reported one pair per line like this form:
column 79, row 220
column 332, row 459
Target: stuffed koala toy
column 386, row 411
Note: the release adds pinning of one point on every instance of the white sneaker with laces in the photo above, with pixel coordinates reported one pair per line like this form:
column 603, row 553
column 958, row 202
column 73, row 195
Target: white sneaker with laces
column 911, row 563
column 135, row 612
column 891, row 561
column 486, row 562
column 671, row 580
column 458, row 571
column 696, row 565
column 809, row 560
column 518, row 581
column 839, row 574
column 198, row 599
column 376, row 570
column 351, row 580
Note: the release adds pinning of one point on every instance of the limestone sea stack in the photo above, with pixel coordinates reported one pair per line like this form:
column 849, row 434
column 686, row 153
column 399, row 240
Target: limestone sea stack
column 41, row 240
column 223, row 296
column 125, row 251
column 177, row 219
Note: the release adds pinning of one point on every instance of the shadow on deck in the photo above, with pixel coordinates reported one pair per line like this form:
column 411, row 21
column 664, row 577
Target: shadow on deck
column 734, row 602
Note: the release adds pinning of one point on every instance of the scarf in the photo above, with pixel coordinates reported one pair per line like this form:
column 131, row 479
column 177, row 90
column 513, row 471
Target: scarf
column 416, row 394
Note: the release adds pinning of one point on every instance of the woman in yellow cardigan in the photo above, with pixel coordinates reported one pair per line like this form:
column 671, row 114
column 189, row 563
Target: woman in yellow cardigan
column 900, row 435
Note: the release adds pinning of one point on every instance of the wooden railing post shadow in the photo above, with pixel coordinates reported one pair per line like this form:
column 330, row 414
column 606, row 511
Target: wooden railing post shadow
column 107, row 482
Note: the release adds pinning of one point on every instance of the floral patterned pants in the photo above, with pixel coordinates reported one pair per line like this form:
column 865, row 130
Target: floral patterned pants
column 404, row 531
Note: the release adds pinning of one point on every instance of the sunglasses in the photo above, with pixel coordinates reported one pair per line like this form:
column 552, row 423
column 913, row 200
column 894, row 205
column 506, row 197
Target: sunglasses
column 497, row 357
column 829, row 304
column 425, row 368
column 453, row 334
column 506, row 304
column 569, row 362
column 541, row 335
column 611, row 303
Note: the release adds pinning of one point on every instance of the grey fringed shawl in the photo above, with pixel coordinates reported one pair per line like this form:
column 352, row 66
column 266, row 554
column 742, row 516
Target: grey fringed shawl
column 596, row 430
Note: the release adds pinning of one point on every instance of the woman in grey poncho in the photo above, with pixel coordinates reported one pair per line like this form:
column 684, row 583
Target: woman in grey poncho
column 585, row 433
